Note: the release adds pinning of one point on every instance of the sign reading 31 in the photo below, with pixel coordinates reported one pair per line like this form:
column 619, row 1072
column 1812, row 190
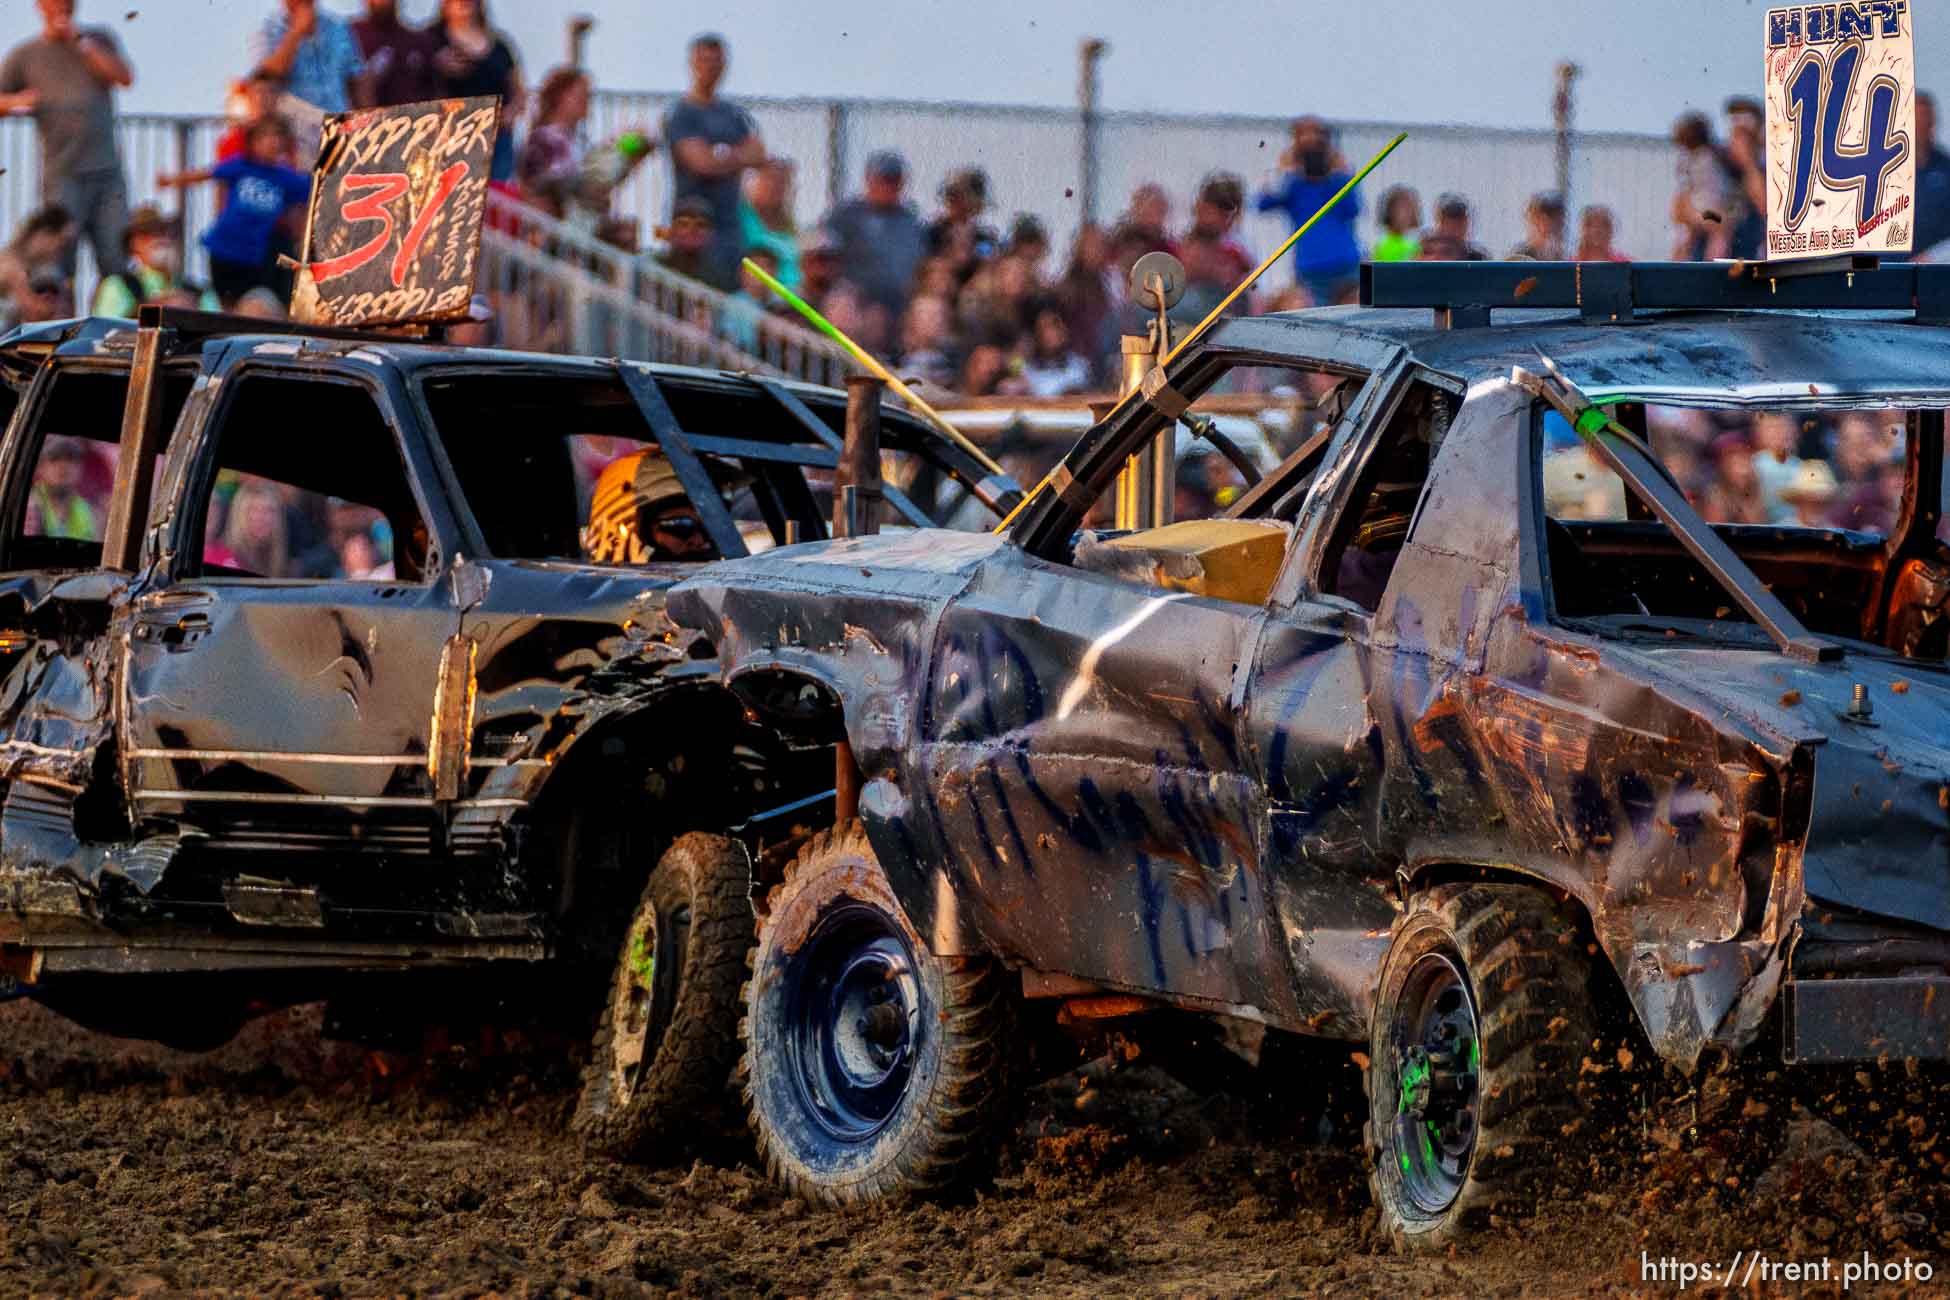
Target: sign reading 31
column 394, row 231
column 1841, row 135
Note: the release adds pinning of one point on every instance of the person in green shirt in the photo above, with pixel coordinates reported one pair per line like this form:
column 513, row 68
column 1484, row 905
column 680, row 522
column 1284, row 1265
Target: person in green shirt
column 1401, row 217
column 765, row 217
column 151, row 273
column 56, row 506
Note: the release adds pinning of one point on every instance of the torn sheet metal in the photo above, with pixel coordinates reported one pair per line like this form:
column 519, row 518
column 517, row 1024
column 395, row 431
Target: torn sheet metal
column 1224, row 803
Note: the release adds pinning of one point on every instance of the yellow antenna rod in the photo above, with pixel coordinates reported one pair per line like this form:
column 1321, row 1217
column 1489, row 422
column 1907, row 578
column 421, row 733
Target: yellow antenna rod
column 1230, row 298
column 1281, row 251
column 874, row 368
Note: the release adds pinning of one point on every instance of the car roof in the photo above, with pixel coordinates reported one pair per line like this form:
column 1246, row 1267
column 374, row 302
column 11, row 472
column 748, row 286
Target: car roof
column 1732, row 358
column 114, row 337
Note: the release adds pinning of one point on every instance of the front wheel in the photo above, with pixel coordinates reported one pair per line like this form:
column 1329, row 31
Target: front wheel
column 872, row 1067
column 1482, row 1019
column 663, row 1052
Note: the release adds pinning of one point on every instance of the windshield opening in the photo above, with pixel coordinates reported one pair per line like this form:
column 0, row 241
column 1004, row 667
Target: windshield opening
column 1813, row 502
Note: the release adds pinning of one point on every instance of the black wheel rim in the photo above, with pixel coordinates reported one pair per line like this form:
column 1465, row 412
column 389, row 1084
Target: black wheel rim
column 854, row 1021
column 646, row 996
column 1437, row 1057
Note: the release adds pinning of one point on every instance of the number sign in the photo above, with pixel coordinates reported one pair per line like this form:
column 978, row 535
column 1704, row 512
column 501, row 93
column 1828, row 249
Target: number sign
column 1841, row 133
column 397, row 197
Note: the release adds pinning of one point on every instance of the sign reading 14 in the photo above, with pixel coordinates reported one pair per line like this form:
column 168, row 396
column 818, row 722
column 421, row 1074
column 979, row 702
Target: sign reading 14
column 1819, row 91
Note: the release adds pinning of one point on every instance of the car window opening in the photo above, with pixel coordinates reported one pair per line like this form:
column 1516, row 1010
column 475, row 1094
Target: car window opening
column 565, row 467
column 1372, row 530
column 1214, row 547
column 310, row 484
column 1811, row 501
column 57, row 521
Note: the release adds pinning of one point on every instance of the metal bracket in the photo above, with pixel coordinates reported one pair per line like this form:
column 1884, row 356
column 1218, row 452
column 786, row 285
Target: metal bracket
column 1162, row 396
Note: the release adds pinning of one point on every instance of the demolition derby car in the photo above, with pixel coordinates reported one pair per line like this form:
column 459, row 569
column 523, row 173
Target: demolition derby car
column 328, row 659
column 1458, row 726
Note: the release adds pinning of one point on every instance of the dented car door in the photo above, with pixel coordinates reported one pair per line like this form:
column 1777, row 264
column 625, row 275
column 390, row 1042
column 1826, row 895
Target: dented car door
column 276, row 693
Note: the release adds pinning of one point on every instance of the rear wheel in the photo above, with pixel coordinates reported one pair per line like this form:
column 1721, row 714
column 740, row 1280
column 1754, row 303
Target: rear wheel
column 1482, row 1019
column 872, row 1066
column 665, row 1046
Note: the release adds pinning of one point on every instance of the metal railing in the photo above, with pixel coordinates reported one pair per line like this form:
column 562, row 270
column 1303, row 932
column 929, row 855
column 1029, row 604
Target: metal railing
column 1054, row 163
column 1035, row 158
column 555, row 288
column 151, row 143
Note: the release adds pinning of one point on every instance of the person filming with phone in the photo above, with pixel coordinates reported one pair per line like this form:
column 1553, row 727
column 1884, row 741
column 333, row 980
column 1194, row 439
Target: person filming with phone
column 1327, row 260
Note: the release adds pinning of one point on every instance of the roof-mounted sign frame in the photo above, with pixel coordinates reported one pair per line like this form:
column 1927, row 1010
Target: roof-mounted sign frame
column 1841, row 129
column 393, row 233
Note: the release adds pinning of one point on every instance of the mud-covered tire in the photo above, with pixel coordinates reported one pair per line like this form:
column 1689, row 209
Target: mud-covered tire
column 667, row 1039
column 871, row 1066
column 1509, row 962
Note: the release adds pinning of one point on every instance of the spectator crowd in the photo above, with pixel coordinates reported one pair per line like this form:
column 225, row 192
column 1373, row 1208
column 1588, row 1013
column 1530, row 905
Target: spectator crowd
column 1843, row 470
column 954, row 296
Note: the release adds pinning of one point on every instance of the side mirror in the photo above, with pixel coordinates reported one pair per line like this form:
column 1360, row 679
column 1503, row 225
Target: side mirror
column 1157, row 281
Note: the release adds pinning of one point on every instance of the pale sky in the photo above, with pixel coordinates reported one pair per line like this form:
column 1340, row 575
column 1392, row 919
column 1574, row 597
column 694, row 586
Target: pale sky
column 1480, row 61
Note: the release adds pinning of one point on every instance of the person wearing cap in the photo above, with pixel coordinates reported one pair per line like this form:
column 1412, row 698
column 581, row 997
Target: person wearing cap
column 1448, row 240
column 882, row 241
column 712, row 143
column 1543, row 221
column 639, row 513
column 958, row 233
column 151, row 269
column 1327, row 260
column 1932, row 181
column 42, row 239
column 56, row 506
column 1811, row 494
column 819, row 265
column 688, row 244
column 1745, row 159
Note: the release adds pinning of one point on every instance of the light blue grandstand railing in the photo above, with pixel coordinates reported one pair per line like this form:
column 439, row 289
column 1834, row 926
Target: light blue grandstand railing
column 151, row 143
column 555, row 288
column 1032, row 156
column 1033, row 160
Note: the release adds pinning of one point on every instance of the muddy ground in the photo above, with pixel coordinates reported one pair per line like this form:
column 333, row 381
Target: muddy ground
column 285, row 1164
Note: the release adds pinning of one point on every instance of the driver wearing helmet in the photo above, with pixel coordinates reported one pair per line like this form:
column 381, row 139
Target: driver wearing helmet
column 640, row 513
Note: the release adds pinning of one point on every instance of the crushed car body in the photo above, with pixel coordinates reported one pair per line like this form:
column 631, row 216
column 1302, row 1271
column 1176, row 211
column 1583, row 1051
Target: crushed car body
column 357, row 723
column 1726, row 743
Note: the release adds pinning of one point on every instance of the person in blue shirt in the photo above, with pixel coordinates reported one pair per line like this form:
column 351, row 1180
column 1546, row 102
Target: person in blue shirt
column 315, row 55
column 259, row 189
column 1327, row 260
column 1932, row 182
